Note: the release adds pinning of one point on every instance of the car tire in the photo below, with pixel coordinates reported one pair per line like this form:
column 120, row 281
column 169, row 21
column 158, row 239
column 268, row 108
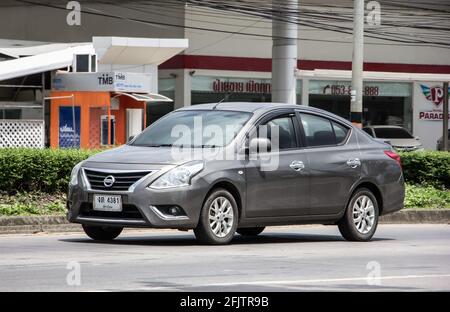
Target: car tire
column 102, row 233
column 360, row 220
column 253, row 231
column 218, row 219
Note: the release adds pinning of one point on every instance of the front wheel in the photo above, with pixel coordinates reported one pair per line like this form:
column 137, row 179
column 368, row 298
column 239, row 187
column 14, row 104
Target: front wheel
column 361, row 217
column 102, row 233
column 218, row 219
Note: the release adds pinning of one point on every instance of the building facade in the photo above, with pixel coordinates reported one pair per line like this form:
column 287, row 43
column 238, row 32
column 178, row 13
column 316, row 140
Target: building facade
column 403, row 87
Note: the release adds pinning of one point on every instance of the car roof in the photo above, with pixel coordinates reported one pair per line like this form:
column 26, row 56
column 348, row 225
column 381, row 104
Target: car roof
column 261, row 107
column 237, row 106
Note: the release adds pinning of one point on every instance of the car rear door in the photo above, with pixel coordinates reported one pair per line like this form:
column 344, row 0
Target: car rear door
column 282, row 190
column 334, row 162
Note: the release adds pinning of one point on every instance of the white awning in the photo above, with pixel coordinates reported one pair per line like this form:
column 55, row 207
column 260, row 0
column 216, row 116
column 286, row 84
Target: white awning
column 41, row 62
column 146, row 97
column 137, row 51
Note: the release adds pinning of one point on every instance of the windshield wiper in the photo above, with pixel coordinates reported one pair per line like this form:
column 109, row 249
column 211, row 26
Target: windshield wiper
column 158, row 145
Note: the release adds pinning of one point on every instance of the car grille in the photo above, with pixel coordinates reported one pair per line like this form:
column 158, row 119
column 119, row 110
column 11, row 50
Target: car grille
column 129, row 212
column 123, row 180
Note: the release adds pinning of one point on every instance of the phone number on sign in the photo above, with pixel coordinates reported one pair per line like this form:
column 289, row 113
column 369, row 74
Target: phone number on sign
column 346, row 90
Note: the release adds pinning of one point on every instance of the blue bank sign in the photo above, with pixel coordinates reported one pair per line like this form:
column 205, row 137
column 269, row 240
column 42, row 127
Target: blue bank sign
column 69, row 127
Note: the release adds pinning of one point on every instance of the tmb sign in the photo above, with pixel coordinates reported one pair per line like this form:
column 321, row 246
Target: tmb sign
column 102, row 81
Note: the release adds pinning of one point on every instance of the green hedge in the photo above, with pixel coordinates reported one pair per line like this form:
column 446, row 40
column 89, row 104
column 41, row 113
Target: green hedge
column 27, row 170
column 47, row 170
column 427, row 168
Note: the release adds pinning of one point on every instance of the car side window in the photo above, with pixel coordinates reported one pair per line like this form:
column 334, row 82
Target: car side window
column 318, row 130
column 340, row 132
column 286, row 132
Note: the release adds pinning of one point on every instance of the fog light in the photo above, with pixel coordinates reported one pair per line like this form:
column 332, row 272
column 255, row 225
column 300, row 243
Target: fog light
column 174, row 211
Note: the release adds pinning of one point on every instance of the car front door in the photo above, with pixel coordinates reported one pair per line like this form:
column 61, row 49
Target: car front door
column 281, row 188
column 334, row 162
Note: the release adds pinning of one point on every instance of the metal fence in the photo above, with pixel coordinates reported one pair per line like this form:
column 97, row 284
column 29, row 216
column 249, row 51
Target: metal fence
column 22, row 133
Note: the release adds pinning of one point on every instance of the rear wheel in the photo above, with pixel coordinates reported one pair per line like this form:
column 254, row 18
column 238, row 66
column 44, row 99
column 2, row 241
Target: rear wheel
column 254, row 231
column 218, row 219
column 361, row 217
column 102, row 233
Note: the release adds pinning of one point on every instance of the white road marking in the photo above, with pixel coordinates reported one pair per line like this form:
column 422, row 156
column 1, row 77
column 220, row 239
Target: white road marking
column 329, row 280
column 280, row 283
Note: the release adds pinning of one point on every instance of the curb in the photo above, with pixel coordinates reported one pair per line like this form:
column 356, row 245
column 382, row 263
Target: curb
column 36, row 224
column 415, row 216
column 53, row 224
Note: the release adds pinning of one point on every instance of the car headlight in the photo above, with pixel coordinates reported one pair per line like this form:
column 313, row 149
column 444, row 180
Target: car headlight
column 178, row 176
column 74, row 174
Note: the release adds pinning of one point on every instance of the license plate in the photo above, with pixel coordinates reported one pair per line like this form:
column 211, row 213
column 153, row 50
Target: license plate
column 107, row 202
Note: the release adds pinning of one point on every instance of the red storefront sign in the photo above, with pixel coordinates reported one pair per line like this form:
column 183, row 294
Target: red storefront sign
column 249, row 86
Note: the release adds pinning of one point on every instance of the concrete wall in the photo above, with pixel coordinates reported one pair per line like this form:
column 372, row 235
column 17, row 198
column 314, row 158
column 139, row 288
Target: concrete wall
column 314, row 46
column 39, row 23
column 25, row 22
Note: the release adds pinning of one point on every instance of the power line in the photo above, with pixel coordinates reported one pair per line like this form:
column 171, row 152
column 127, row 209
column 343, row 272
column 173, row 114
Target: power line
column 313, row 19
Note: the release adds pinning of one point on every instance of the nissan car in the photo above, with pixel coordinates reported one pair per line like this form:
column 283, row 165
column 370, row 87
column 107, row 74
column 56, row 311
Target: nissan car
column 225, row 168
column 400, row 138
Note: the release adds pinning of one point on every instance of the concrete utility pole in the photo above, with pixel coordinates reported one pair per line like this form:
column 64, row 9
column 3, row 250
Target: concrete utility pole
column 357, row 63
column 445, row 118
column 284, row 53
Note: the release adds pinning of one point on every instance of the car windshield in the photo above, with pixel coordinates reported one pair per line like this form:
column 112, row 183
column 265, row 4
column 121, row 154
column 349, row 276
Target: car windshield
column 194, row 128
column 392, row 133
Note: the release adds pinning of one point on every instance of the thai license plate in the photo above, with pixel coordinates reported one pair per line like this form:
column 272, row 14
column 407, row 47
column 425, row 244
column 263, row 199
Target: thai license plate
column 107, row 202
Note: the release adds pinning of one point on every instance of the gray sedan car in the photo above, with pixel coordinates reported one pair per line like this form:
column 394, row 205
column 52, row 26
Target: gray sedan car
column 224, row 168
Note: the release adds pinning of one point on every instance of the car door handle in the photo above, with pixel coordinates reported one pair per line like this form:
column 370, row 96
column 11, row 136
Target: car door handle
column 354, row 162
column 297, row 165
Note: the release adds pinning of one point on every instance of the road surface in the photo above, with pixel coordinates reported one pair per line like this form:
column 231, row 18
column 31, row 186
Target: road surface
column 295, row 258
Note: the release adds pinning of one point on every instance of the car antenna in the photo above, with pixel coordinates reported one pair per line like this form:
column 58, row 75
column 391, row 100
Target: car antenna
column 223, row 99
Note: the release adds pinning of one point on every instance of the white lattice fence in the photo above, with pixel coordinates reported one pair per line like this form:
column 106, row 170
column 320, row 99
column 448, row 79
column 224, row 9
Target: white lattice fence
column 21, row 133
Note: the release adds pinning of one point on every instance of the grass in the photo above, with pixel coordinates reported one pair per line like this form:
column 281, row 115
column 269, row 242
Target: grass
column 36, row 203
column 418, row 196
column 39, row 203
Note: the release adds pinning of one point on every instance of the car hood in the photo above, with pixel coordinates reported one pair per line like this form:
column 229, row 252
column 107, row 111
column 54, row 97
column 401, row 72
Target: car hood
column 128, row 154
column 404, row 142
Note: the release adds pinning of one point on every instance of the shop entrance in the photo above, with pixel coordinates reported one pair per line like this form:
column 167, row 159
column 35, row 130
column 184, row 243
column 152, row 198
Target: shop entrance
column 135, row 121
column 384, row 103
column 377, row 110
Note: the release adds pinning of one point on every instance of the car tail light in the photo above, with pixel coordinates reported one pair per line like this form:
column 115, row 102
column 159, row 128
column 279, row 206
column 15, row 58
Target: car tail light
column 394, row 156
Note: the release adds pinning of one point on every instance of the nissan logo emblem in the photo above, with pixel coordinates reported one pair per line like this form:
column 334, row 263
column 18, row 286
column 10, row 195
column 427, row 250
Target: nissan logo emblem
column 109, row 181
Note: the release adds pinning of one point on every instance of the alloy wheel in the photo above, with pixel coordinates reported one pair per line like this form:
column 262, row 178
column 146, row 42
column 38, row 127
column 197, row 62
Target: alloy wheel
column 363, row 214
column 221, row 216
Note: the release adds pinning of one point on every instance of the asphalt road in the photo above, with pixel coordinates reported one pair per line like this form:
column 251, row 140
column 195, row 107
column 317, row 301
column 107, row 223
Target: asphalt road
column 300, row 258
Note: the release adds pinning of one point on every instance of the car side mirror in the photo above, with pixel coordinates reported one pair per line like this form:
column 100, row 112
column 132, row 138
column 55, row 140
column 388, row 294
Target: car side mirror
column 259, row 145
column 130, row 138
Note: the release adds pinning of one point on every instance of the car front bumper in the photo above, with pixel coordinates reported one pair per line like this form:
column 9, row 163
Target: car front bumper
column 142, row 207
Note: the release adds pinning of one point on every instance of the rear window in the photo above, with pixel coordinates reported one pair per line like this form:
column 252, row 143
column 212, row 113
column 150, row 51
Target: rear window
column 320, row 131
column 392, row 133
column 368, row 131
column 340, row 132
